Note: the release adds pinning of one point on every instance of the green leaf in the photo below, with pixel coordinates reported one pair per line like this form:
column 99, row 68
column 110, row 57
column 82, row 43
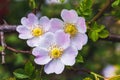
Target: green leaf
column 1, row 48
column 115, row 3
column 79, row 59
column 19, row 73
column 101, row 28
column 93, row 35
column 62, row 1
column 97, row 31
column 87, row 78
column 103, row 34
column 32, row 4
column 88, row 3
column 97, row 28
column 85, row 8
column 115, row 78
column 29, row 68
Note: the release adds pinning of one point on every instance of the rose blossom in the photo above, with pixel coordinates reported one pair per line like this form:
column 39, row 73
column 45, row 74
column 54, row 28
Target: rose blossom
column 33, row 29
column 73, row 25
column 54, row 52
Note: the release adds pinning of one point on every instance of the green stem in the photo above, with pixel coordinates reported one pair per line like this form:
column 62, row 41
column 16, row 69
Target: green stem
column 96, row 75
column 41, row 72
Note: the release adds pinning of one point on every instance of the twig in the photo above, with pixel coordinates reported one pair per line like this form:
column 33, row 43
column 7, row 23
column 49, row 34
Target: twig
column 37, row 9
column 7, row 28
column 10, row 28
column 17, row 51
column 80, row 70
column 3, row 45
column 102, row 10
column 88, row 72
column 113, row 37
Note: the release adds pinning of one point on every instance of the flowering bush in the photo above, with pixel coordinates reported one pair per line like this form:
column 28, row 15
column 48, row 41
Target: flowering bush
column 60, row 35
column 56, row 41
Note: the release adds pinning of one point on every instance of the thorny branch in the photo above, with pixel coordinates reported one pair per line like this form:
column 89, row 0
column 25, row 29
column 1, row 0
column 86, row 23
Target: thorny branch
column 87, row 71
column 17, row 51
column 113, row 37
column 10, row 28
column 102, row 10
column 7, row 28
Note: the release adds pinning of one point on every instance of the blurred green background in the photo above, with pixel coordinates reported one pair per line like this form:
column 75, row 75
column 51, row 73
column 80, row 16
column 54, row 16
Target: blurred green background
column 96, row 55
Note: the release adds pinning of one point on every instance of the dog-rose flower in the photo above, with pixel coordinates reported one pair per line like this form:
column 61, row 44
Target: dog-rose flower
column 54, row 52
column 33, row 29
column 73, row 25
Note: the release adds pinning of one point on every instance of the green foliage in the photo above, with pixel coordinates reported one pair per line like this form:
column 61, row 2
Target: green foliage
column 97, row 31
column 20, row 74
column 87, row 78
column 79, row 59
column 29, row 68
column 62, row 1
column 1, row 48
column 27, row 73
column 116, row 3
column 32, row 4
column 103, row 34
column 93, row 35
column 85, row 8
column 116, row 11
column 11, row 78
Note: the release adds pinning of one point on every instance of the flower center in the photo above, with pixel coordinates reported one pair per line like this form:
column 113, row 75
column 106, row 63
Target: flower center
column 37, row 31
column 71, row 29
column 55, row 52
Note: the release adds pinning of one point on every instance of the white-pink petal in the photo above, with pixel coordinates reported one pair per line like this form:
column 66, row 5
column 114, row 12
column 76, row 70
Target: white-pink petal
column 25, row 22
column 79, row 40
column 68, row 57
column 42, row 60
column 55, row 66
column 42, row 56
column 56, row 24
column 22, row 29
column 47, row 40
column 81, row 25
column 62, row 39
column 39, row 52
column 45, row 23
column 32, row 18
column 69, row 16
column 24, row 33
column 34, row 41
column 25, row 36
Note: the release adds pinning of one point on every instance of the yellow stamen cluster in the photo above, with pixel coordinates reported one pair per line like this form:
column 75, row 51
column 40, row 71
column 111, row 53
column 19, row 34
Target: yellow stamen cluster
column 37, row 31
column 70, row 29
column 55, row 52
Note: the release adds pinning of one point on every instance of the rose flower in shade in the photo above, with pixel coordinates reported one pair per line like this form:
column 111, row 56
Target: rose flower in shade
column 73, row 25
column 33, row 29
column 55, row 52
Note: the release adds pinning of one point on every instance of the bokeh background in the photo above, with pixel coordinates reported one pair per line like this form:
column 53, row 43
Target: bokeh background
column 96, row 55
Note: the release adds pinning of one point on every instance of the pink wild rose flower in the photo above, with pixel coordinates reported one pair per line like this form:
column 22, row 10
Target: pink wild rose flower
column 73, row 25
column 54, row 52
column 33, row 29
